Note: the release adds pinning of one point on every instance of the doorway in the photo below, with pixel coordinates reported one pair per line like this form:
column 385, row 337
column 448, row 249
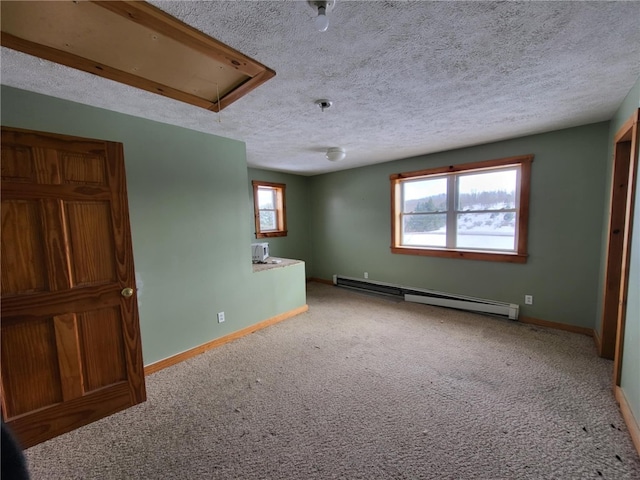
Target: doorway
column 625, row 165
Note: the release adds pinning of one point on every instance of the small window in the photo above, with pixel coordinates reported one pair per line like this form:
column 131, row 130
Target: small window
column 269, row 209
column 478, row 211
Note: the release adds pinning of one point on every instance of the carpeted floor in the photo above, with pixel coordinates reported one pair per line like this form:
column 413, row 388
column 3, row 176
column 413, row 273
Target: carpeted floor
column 366, row 388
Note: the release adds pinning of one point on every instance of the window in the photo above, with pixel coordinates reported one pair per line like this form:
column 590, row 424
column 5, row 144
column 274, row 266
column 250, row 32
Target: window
column 269, row 209
column 477, row 211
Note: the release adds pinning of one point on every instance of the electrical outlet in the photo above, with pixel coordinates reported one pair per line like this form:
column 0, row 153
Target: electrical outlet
column 528, row 299
column 220, row 317
column 366, row 274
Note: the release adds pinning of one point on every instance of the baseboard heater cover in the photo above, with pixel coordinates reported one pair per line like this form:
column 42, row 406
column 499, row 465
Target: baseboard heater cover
column 431, row 297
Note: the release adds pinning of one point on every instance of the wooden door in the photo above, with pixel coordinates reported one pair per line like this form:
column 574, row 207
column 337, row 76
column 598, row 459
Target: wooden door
column 69, row 330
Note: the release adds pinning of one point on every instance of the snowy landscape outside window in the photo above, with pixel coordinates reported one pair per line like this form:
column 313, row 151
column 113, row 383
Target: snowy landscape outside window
column 476, row 211
column 269, row 209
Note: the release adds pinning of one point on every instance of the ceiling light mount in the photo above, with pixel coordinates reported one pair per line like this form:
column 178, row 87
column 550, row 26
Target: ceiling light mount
column 321, row 7
column 335, row 154
column 323, row 103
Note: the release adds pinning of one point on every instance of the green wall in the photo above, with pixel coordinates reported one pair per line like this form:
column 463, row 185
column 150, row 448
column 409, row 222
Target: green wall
column 351, row 227
column 191, row 210
column 296, row 243
column 190, row 223
column 630, row 379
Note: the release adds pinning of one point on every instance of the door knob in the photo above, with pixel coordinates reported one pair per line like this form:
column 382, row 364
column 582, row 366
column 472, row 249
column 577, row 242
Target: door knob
column 127, row 292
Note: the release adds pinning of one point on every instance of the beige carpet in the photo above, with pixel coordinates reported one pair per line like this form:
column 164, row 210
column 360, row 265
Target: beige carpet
column 366, row 388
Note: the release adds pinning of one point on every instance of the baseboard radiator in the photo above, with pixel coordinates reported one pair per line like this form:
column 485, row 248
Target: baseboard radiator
column 430, row 297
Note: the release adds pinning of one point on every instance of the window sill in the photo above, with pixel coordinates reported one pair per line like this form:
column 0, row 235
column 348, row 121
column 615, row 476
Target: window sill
column 282, row 233
column 464, row 254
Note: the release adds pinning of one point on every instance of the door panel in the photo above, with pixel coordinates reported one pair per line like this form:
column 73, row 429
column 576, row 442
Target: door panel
column 101, row 337
column 92, row 251
column 31, row 379
column 23, row 268
column 83, row 169
column 17, row 164
column 71, row 350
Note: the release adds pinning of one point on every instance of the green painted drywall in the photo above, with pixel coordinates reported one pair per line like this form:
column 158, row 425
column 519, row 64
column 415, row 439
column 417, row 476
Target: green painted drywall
column 626, row 109
column 296, row 243
column 351, row 227
column 190, row 218
column 630, row 378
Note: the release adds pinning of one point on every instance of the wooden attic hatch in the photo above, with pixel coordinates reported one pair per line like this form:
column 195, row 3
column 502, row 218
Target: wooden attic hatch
column 134, row 43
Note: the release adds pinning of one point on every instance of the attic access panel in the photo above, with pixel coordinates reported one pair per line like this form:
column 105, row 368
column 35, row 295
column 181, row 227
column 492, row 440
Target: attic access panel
column 134, row 43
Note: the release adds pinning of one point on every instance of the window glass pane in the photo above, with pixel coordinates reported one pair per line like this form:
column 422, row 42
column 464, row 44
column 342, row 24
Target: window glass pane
column 425, row 230
column 491, row 231
column 487, row 191
column 425, row 195
column 268, row 221
column 266, row 198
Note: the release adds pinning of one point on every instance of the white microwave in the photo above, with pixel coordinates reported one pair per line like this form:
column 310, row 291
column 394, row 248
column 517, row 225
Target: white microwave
column 259, row 252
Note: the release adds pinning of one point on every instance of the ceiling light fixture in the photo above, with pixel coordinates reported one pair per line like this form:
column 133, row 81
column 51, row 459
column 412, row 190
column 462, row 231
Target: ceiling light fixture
column 323, row 7
column 335, row 154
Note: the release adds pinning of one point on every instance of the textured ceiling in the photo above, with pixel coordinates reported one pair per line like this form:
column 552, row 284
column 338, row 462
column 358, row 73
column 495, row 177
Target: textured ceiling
column 405, row 77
